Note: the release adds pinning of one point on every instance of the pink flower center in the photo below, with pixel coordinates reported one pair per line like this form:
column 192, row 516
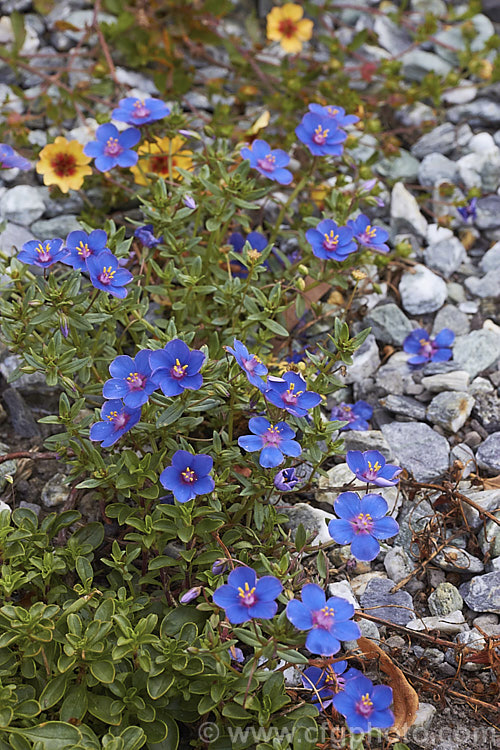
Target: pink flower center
column 320, row 135
column 362, row 524
column 250, row 364
column 136, row 381
column 106, row 275
column 332, row 111
column 113, row 148
column 247, row 595
column 365, row 706
column 289, row 397
column 119, row 419
column 369, row 234
column 178, row 371
column 267, row 163
column 272, row 436
column 83, row 250
column 331, row 241
column 427, row 347
column 188, row 476
column 43, row 252
column 140, row 110
column 323, row 618
column 372, row 471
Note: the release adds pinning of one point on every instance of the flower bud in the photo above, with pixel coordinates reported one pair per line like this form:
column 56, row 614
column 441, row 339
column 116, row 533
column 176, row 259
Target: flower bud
column 285, row 480
column 190, row 595
column 220, row 566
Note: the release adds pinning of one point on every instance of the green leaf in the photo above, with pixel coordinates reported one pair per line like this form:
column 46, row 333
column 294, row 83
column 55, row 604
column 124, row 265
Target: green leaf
column 171, row 741
column 170, row 415
column 53, row 735
column 305, row 734
column 233, row 711
column 103, row 671
column 133, row 738
column 159, row 685
column 84, row 570
column 275, row 327
column 53, row 691
column 300, row 537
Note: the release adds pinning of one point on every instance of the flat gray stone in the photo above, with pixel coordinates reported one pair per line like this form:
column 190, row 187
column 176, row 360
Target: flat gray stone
column 59, row 226
column 491, row 259
column 364, row 361
column 476, row 113
column 487, row 286
column 482, row 593
column 404, row 405
column 55, row 492
column 450, row 409
column 22, row 205
column 405, row 213
column 445, row 256
column 367, row 440
column 488, row 212
column 419, row 448
column 446, row 381
column 458, row 560
column 378, row 601
column 422, row 291
column 489, row 539
column 488, row 453
column 314, row 520
column 451, row 624
column 451, row 317
column 395, row 39
column 402, row 167
column 445, row 599
column 398, row 564
column 441, row 140
column 477, row 351
column 488, row 500
column 13, row 238
column 436, row 168
column 417, row 64
column 389, row 324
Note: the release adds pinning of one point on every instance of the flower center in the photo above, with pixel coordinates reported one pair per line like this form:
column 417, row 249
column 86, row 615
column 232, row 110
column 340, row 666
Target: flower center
column 287, row 27
column 106, row 275
column 140, row 110
column 159, row 164
column 332, row 111
column 369, row 234
column 427, row 347
column 83, row 250
column 331, row 241
column 136, row 381
column 64, row 165
column 320, row 135
column 372, row 471
column 272, row 436
column 247, row 595
column 188, row 476
column 43, row 252
column 250, row 364
column 267, row 163
column 323, row 618
column 362, row 524
column 365, row 705
column 119, row 419
column 113, row 148
column 289, row 397
column 178, row 371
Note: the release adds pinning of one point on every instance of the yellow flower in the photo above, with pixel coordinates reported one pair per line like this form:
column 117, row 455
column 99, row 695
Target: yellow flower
column 286, row 26
column 64, row 164
column 159, row 156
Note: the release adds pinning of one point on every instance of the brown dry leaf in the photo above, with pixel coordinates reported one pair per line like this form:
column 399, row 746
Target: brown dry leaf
column 404, row 696
column 492, row 483
column 310, row 297
column 65, row 26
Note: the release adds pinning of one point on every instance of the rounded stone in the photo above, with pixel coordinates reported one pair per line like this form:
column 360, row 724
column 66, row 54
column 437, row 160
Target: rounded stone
column 445, row 599
column 422, row 291
column 22, row 204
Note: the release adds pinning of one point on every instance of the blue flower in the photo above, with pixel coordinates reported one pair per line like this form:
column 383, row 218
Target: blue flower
column 244, row 596
column 251, row 365
column 337, row 114
column 269, row 163
column 82, row 246
column 146, row 236
column 257, row 242
column 117, row 420
column 356, row 415
column 286, row 479
column 105, row 274
column 176, row 368
column 365, row 705
column 188, row 475
column 236, row 654
column 131, row 379
column 469, row 212
column 9, row 159
column 140, row 112
column 290, row 393
column 112, row 148
column 372, row 237
column 425, row 349
column 328, row 621
column 370, row 466
column 42, row 253
column 361, row 523
column 321, row 135
column 274, row 441
column 331, row 242
column 324, row 683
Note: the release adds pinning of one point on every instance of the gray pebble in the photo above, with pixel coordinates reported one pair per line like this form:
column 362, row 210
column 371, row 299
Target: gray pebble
column 419, row 448
column 445, row 599
column 377, row 600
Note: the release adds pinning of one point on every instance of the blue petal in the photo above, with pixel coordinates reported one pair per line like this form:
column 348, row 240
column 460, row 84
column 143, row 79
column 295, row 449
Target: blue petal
column 385, row 528
column 169, row 478
column 169, row 385
column 270, row 457
column 203, row 486
column 202, row 464
column 343, row 609
column 192, row 382
column 445, row 338
column 129, row 137
column 442, row 355
column 375, row 505
column 382, row 719
column 225, row 596
column 105, row 163
column 348, row 504
column 268, row 588
column 237, row 614
column 381, row 696
column 178, row 350
column 263, row 609
column 313, row 596
column 122, row 366
column 356, row 461
column 364, row 547
column 106, row 131
column 322, row 642
column 115, row 388
column 100, row 430
column 341, row 531
column 346, row 631
column 127, row 159
column 250, row 443
column 239, row 576
column 299, row 615
column 291, row 448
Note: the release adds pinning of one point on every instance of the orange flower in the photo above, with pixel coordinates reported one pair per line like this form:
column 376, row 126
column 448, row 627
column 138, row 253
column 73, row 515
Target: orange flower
column 159, row 156
column 64, row 164
column 286, row 26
